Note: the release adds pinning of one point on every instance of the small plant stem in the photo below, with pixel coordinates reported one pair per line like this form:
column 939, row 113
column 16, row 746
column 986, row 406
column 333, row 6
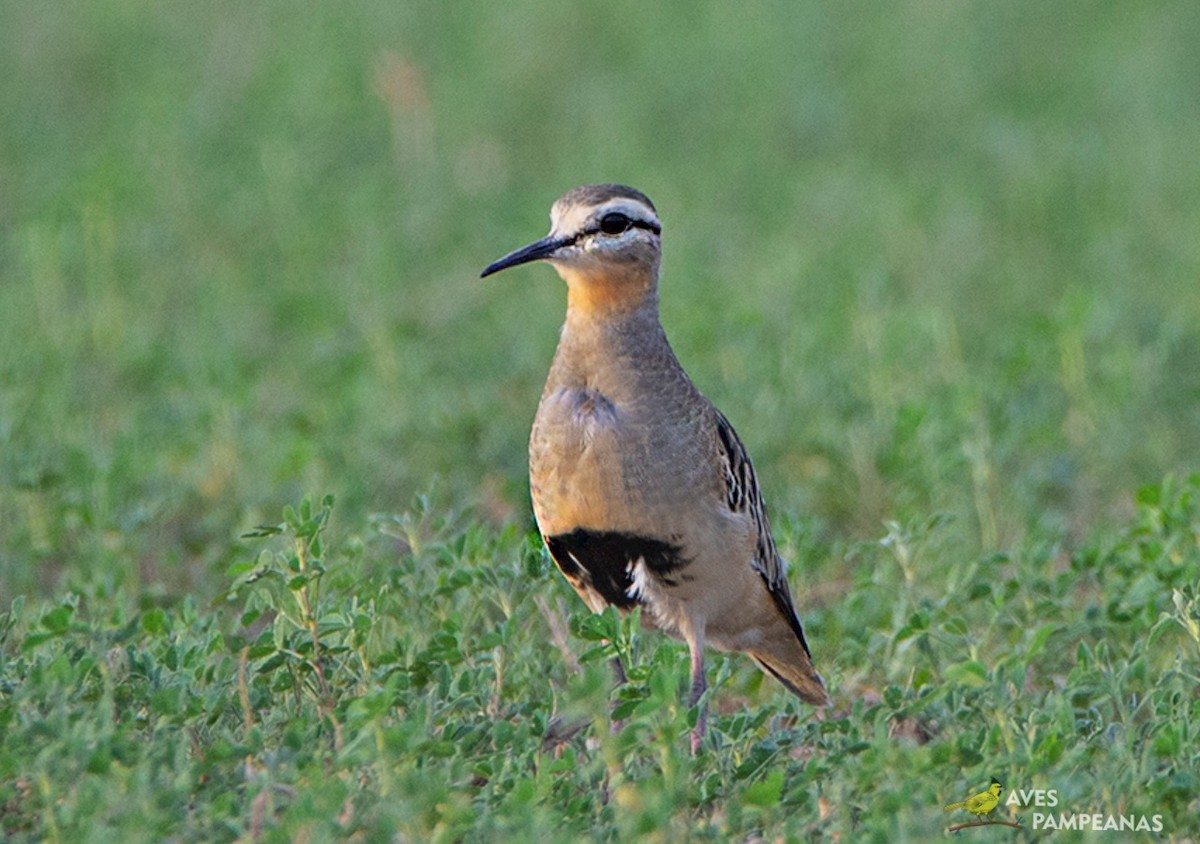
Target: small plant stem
column 325, row 703
column 243, row 691
column 957, row 827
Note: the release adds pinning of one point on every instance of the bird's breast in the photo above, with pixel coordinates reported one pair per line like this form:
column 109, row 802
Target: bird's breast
column 602, row 462
column 585, row 410
column 576, row 456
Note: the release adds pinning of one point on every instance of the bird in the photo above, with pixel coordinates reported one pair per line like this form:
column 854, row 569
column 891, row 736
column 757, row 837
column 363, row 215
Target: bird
column 643, row 493
column 981, row 803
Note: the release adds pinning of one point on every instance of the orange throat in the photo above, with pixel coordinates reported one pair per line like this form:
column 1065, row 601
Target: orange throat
column 598, row 294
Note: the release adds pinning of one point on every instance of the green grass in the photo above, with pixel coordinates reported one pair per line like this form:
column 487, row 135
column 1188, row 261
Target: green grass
column 937, row 263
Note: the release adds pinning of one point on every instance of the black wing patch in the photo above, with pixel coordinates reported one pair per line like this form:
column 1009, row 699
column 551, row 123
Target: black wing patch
column 603, row 560
column 743, row 496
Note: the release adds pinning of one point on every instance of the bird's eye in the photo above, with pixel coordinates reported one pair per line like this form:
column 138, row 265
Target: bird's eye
column 615, row 223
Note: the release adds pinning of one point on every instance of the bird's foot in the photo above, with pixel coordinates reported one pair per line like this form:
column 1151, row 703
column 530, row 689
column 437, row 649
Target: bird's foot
column 701, row 728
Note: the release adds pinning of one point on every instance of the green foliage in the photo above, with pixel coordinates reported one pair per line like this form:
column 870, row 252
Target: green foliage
column 937, row 262
column 406, row 681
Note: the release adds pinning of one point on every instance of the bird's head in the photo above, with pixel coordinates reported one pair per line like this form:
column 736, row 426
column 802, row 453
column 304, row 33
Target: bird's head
column 605, row 242
column 995, row 787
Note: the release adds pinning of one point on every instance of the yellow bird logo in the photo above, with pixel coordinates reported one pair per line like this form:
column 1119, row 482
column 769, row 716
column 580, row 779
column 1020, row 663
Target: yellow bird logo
column 981, row 803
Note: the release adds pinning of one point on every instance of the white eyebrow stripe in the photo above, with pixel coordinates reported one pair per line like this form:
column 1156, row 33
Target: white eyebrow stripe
column 574, row 220
column 631, row 208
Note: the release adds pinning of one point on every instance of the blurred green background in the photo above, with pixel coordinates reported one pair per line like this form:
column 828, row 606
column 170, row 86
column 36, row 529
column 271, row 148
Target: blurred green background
column 930, row 258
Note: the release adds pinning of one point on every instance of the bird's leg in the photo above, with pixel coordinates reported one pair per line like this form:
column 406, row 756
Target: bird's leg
column 618, row 671
column 695, row 643
column 619, row 680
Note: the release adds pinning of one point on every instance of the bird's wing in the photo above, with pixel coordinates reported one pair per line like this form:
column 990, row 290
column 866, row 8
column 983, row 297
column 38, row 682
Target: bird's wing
column 742, row 495
column 977, row 802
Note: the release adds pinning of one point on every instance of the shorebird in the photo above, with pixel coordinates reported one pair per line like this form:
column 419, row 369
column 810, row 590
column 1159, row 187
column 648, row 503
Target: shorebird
column 643, row 493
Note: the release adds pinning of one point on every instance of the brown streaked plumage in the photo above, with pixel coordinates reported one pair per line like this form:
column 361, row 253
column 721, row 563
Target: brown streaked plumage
column 642, row 490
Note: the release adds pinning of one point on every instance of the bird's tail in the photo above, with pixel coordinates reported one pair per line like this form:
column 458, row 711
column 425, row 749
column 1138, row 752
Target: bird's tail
column 950, row 807
column 789, row 663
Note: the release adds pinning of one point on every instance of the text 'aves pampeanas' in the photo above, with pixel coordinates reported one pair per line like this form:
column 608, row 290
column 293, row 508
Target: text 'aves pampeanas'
column 642, row 491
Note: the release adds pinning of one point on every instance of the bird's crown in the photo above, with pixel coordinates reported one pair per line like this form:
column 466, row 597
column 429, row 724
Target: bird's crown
column 608, row 212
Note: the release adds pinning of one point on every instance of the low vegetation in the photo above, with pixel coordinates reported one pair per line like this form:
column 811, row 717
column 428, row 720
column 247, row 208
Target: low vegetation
column 427, row 678
column 937, row 263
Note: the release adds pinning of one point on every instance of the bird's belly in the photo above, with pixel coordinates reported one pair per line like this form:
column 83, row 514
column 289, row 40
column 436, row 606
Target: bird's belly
column 609, row 483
